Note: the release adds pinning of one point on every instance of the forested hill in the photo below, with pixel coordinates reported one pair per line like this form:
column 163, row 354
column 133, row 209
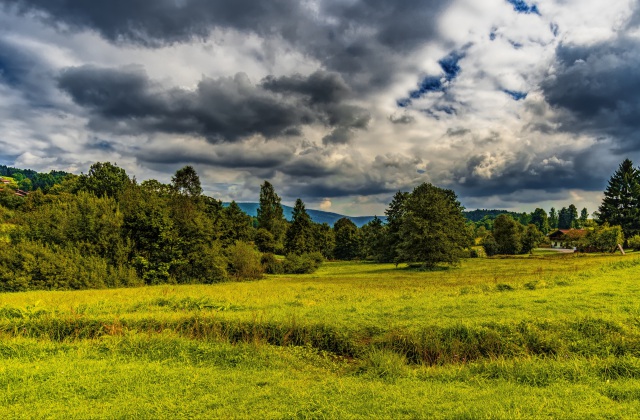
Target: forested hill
column 477, row 215
column 318, row 216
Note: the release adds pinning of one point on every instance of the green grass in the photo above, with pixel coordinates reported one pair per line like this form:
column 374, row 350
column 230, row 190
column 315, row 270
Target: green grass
column 553, row 335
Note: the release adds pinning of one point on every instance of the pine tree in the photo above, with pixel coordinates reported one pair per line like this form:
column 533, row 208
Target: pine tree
column 347, row 240
column 573, row 216
column 394, row 214
column 299, row 238
column 584, row 216
column 621, row 202
column 553, row 218
column 270, row 215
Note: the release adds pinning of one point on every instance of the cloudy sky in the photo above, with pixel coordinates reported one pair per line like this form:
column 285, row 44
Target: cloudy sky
column 513, row 104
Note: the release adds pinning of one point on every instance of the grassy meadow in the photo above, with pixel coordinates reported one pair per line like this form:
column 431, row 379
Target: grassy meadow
column 548, row 335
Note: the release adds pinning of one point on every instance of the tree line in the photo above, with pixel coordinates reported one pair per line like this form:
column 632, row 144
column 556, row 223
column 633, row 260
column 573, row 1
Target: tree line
column 105, row 229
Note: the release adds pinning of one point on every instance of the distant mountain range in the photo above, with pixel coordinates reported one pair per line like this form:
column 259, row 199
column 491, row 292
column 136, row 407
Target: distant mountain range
column 317, row 216
column 329, row 218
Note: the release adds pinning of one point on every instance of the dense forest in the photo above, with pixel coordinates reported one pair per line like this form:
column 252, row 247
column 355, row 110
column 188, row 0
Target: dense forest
column 104, row 229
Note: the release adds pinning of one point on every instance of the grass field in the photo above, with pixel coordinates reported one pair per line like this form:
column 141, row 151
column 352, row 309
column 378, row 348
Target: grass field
column 540, row 336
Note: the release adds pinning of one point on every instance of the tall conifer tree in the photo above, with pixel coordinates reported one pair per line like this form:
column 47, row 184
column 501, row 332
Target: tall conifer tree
column 299, row 238
column 270, row 214
column 621, row 202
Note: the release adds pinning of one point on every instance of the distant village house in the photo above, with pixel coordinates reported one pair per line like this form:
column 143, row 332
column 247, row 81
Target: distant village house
column 566, row 238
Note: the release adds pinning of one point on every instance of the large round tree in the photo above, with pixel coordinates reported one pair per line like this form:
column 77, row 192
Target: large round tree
column 432, row 228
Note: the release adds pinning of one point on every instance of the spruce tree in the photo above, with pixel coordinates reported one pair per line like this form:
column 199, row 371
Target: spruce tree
column 299, row 238
column 621, row 202
column 348, row 242
column 394, row 214
column 271, row 216
column 584, row 216
column 553, row 218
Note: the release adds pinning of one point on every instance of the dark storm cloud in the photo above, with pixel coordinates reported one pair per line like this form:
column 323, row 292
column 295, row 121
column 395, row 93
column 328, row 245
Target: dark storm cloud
column 26, row 73
column 158, row 22
column 599, row 85
column 324, row 93
column 360, row 39
column 238, row 158
column 126, row 101
column 554, row 173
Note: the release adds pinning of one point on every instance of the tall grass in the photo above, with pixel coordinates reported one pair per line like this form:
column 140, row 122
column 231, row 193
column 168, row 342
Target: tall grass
column 554, row 336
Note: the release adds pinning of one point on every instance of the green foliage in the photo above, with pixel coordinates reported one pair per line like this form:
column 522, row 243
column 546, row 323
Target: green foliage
column 271, row 217
column 490, row 246
column 302, row 263
column 568, row 217
column 236, row 225
column 348, row 240
column 374, row 240
column 325, row 240
column 432, row 227
column 104, row 179
column 603, row 238
column 84, row 221
column 244, row 261
column 395, row 213
column 271, row 264
column 621, row 202
column 634, row 243
column 265, row 241
column 553, row 219
column 531, row 239
column 299, row 238
column 187, row 182
column 31, row 265
column 540, row 220
column 508, row 235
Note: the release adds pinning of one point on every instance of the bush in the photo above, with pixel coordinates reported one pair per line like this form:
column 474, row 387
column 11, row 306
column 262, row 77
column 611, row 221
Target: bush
column 490, row 245
column 302, row 264
column 634, row 243
column 603, row 238
column 270, row 264
column 244, row 261
column 34, row 266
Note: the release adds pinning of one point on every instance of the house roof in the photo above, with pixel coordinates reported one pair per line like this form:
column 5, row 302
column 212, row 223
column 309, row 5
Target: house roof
column 571, row 232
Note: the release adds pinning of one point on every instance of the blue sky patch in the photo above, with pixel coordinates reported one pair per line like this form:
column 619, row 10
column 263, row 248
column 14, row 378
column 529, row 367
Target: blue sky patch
column 450, row 66
column 521, row 6
column 515, row 94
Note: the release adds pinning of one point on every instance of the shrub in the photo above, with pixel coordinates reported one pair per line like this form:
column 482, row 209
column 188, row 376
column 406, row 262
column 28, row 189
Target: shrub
column 31, row 266
column 634, row 243
column 603, row 238
column 270, row 264
column 244, row 261
column 490, row 245
column 302, row 264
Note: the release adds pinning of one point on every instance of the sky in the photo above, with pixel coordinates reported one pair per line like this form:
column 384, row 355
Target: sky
column 513, row 104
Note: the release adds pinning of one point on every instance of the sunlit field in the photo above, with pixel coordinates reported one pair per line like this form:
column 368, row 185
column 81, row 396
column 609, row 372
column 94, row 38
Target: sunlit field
column 544, row 335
